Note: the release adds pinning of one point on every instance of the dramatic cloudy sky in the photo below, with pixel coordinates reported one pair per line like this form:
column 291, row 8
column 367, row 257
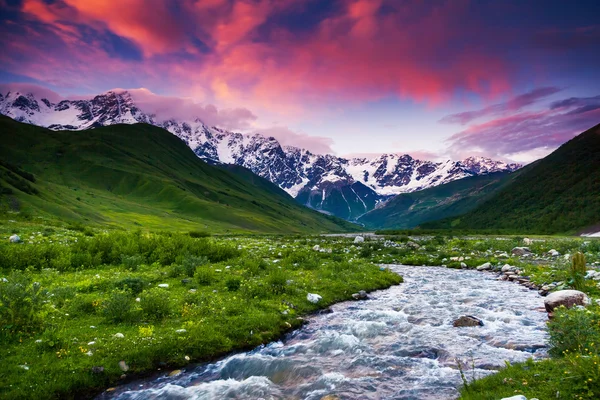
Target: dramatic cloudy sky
column 506, row 79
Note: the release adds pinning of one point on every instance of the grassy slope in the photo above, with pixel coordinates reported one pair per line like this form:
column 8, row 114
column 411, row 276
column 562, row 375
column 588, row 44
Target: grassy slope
column 411, row 209
column 140, row 175
column 560, row 193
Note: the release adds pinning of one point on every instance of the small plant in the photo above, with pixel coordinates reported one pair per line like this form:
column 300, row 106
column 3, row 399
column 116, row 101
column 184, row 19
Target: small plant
column 233, row 284
column 132, row 263
column 277, row 281
column 135, row 285
column 204, row 275
column 198, row 234
column 155, row 303
column 20, row 302
column 573, row 331
column 118, row 306
column 190, row 263
column 577, row 271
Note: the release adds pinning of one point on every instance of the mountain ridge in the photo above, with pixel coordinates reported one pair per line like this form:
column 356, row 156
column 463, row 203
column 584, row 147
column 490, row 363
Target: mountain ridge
column 126, row 175
column 557, row 194
column 324, row 182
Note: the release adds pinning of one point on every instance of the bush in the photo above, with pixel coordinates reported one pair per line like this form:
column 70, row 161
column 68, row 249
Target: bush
column 20, row 302
column 83, row 305
column 577, row 271
column 204, row 275
column 135, row 285
column 233, row 284
column 132, row 263
column 155, row 303
column 198, row 234
column 62, row 294
column 277, row 281
column 118, row 307
column 573, row 331
column 190, row 263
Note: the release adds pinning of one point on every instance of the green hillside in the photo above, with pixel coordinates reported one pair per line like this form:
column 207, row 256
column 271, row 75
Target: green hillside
column 138, row 175
column 454, row 198
column 558, row 194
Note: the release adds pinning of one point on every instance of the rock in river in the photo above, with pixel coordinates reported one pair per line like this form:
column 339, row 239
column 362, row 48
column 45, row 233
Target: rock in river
column 467, row 320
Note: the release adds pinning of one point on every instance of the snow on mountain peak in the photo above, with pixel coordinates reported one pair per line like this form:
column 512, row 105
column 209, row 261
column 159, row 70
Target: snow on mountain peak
column 312, row 178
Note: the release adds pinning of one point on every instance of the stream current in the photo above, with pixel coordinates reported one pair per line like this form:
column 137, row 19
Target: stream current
column 399, row 344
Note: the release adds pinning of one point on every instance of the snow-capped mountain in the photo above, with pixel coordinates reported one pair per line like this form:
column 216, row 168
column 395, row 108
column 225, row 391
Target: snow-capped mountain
column 344, row 187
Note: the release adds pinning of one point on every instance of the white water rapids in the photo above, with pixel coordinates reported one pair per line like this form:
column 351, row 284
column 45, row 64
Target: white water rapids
column 400, row 344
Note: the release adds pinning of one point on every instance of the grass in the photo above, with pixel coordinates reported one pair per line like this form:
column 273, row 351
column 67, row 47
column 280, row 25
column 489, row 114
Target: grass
column 557, row 194
column 84, row 310
column 229, row 293
column 408, row 210
column 138, row 176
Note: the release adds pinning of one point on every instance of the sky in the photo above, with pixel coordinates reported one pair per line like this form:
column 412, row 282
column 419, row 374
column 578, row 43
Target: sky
column 510, row 80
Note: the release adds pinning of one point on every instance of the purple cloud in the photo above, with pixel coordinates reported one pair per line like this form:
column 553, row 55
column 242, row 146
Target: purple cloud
column 528, row 133
column 515, row 104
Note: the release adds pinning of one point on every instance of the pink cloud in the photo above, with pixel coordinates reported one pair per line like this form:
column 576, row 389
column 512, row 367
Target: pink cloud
column 356, row 55
column 524, row 135
column 167, row 107
column 287, row 137
column 512, row 105
column 38, row 91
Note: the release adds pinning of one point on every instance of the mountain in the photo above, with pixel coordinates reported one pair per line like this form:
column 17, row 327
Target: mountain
column 558, row 194
column 345, row 187
column 409, row 210
column 139, row 175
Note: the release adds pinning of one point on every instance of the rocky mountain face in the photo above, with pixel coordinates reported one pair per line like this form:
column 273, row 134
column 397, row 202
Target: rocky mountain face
column 340, row 186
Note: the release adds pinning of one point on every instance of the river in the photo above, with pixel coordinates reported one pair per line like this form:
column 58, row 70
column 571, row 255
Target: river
column 399, row 344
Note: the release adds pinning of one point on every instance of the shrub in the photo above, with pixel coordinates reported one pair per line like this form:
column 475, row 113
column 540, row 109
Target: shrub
column 132, row 263
column 118, row 306
column 577, row 271
column 62, row 294
column 134, row 284
column 204, row 275
column 83, row 305
column 198, row 234
column 277, row 281
column 20, row 302
column 254, row 265
column 233, row 284
column 573, row 331
column 190, row 263
column 155, row 303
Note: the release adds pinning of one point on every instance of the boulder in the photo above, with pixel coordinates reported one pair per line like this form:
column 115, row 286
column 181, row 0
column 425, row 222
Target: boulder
column 467, row 320
column 506, row 268
column 14, row 239
column 359, row 239
column 484, row 267
column 527, row 242
column 313, row 298
column 361, row 295
column 567, row 298
column 463, row 265
column 517, row 397
column 413, row 245
column 317, row 247
column 521, row 251
column 592, row 274
column 553, row 253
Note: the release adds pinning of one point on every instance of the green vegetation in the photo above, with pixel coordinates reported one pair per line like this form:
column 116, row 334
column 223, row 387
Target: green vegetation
column 412, row 209
column 138, row 176
column 81, row 308
column 558, row 194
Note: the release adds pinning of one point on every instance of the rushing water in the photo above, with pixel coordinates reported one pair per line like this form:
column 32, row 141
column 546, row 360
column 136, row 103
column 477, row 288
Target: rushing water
column 400, row 344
